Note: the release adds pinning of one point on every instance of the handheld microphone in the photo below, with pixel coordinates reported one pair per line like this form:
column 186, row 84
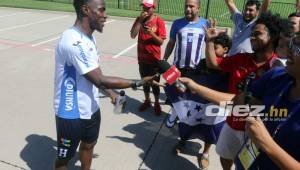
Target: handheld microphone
column 171, row 74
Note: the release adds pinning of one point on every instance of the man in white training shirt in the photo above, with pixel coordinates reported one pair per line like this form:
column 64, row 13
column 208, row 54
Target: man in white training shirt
column 77, row 80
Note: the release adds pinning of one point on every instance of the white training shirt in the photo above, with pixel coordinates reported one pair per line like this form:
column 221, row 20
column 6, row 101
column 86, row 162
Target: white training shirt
column 75, row 55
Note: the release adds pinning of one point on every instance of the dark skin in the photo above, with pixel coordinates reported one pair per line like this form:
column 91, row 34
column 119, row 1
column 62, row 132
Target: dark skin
column 93, row 18
column 261, row 43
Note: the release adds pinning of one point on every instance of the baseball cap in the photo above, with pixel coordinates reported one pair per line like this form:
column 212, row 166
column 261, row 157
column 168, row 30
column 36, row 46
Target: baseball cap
column 148, row 3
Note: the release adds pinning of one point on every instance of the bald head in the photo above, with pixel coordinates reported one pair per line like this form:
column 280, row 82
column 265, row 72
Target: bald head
column 191, row 10
column 193, row 1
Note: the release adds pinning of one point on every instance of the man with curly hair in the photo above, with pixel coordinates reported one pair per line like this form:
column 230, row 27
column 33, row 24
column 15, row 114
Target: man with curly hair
column 264, row 39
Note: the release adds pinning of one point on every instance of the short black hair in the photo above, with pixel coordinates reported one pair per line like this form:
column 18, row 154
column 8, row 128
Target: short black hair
column 77, row 5
column 274, row 24
column 224, row 40
column 294, row 14
column 253, row 2
column 286, row 28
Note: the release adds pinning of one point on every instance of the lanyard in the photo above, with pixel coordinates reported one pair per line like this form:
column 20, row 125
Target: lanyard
column 294, row 110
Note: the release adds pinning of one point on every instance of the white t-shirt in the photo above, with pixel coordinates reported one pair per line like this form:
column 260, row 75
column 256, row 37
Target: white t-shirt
column 75, row 55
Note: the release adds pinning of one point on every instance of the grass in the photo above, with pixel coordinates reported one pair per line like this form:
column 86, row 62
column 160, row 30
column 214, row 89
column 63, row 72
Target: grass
column 168, row 9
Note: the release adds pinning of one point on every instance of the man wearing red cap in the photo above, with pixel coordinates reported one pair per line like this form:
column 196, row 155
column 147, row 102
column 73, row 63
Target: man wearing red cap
column 151, row 33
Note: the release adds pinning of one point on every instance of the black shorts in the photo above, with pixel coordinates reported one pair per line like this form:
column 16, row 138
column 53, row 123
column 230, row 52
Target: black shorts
column 70, row 132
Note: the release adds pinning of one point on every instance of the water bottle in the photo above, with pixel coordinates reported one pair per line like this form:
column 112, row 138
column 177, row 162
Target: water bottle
column 120, row 102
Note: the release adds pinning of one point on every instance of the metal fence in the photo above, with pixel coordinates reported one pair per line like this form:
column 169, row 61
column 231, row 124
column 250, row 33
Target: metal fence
column 209, row 8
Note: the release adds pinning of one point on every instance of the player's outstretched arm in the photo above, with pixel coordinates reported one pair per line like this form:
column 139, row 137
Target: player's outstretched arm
column 101, row 81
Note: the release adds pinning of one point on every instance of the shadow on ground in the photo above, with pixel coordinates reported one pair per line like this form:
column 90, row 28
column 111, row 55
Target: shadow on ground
column 40, row 153
column 156, row 141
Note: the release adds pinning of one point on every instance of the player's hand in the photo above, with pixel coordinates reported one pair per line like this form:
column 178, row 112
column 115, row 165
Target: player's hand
column 159, row 84
column 149, row 79
column 113, row 96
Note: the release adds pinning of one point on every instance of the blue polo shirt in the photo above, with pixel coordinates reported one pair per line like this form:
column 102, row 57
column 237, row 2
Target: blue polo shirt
column 267, row 89
column 241, row 35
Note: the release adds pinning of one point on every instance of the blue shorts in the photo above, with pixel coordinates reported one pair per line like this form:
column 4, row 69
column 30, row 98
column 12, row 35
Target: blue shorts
column 70, row 132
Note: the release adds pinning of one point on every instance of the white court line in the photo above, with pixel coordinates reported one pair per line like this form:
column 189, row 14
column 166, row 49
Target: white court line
column 43, row 42
column 107, row 22
column 9, row 15
column 48, row 49
column 55, row 38
column 29, row 24
column 124, row 51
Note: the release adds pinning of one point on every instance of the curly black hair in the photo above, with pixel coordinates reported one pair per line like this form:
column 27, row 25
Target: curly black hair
column 224, row 40
column 274, row 24
column 254, row 2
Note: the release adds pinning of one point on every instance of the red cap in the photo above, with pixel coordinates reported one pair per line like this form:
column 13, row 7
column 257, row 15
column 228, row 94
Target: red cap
column 148, row 3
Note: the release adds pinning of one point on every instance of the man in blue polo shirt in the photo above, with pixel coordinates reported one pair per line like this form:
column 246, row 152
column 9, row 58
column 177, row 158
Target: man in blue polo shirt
column 244, row 24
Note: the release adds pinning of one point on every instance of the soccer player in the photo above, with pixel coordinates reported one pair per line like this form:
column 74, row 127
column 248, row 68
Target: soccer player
column 78, row 78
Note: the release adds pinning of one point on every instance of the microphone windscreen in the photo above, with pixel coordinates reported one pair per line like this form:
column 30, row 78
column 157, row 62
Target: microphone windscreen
column 163, row 66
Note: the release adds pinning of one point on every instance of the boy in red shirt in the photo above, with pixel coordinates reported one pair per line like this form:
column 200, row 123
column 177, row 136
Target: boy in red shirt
column 151, row 32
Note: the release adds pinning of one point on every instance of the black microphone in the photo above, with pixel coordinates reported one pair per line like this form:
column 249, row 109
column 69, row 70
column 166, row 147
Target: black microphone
column 171, row 74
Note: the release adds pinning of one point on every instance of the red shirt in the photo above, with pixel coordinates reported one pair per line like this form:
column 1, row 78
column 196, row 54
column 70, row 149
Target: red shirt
column 148, row 51
column 239, row 66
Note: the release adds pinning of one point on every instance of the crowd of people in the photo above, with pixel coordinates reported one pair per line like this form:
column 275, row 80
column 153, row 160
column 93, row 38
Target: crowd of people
column 256, row 66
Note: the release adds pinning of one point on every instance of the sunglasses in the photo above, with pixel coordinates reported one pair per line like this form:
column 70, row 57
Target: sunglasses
column 295, row 51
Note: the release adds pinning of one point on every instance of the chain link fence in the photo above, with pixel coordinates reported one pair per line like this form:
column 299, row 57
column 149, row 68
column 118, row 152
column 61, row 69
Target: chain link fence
column 209, row 8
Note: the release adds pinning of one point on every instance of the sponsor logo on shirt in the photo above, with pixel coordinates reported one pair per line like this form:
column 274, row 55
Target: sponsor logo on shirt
column 69, row 84
column 82, row 54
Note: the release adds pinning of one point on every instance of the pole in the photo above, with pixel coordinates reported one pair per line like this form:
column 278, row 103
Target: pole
column 207, row 9
column 158, row 2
